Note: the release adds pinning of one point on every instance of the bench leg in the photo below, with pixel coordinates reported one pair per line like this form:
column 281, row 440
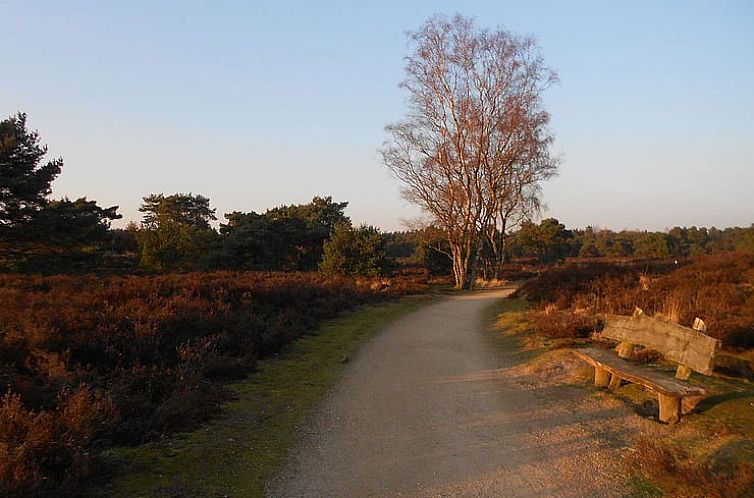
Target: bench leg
column 601, row 377
column 670, row 408
column 614, row 382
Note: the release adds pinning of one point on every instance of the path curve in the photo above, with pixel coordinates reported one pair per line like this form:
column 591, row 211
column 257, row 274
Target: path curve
column 426, row 410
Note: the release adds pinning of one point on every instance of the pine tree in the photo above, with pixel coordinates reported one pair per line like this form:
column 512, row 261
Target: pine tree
column 24, row 180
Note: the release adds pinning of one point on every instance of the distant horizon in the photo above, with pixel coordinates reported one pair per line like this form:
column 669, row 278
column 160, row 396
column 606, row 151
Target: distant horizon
column 258, row 104
column 122, row 223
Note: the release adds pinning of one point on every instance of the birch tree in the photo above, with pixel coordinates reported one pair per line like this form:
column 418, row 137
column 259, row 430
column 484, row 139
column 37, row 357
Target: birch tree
column 474, row 144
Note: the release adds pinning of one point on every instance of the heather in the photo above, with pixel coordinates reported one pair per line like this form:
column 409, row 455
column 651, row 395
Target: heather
column 718, row 288
column 88, row 362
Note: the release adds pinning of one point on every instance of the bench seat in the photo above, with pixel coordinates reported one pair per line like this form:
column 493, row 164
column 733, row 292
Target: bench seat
column 690, row 348
column 654, row 381
column 674, row 396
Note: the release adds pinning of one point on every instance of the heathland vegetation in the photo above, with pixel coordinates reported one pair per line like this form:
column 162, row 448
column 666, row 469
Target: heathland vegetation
column 91, row 361
column 119, row 336
column 711, row 453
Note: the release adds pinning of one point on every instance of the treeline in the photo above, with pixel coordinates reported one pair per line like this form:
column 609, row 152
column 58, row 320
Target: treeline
column 43, row 235
column 177, row 233
column 551, row 241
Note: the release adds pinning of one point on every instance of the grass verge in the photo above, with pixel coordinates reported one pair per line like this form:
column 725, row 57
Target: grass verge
column 506, row 321
column 236, row 454
column 514, row 337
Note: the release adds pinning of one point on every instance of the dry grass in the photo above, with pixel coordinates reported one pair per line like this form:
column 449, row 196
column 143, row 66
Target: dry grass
column 553, row 324
column 718, row 289
column 490, row 284
column 687, row 476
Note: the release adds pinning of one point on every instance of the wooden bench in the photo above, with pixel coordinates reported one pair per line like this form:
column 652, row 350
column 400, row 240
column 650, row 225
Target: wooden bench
column 690, row 348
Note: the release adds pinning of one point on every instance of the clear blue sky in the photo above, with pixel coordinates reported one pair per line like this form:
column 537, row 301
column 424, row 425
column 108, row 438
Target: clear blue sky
column 256, row 104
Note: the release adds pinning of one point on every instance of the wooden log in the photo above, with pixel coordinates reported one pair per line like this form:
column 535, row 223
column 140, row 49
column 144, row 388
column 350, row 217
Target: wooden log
column 625, row 349
column 682, row 345
column 670, row 408
column 601, row 377
column 650, row 379
column 682, row 372
column 615, row 381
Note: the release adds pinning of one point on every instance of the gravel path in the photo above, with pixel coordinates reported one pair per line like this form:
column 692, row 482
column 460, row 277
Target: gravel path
column 429, row 409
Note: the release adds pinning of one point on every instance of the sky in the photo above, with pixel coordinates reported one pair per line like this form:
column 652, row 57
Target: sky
column 255, row 104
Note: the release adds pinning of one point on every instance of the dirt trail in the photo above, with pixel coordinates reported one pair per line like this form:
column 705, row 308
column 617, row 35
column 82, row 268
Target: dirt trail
column 428, row 408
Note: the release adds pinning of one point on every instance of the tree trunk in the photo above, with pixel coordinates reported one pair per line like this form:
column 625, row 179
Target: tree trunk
column 463, row 262
column 500, row 256
column 475, row 264
column 459, row 271
column 468, row 283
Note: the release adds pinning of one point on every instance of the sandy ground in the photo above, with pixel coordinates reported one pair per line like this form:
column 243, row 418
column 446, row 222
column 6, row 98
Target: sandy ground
column 430, row 408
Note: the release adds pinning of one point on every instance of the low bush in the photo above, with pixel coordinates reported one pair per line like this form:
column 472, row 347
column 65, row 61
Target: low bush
column 562, row 325
column 717, row 288
column 46, row 450
column 90, row 360
column 565, row 286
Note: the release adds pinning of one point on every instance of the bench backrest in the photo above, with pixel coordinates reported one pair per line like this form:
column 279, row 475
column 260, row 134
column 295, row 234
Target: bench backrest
column 689, row 348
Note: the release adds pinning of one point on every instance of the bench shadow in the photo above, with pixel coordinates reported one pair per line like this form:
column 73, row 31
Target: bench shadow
column 646, row 409
column 714, row 400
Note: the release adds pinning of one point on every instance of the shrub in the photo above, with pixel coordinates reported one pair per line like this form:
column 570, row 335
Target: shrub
column 355, row 251
column 718, row 288
column 130, row 358
column 562, row 325
column 40, row 451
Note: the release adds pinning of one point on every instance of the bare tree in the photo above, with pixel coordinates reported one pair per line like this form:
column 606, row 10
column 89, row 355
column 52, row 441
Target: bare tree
column 520, row 203
column 474, row 143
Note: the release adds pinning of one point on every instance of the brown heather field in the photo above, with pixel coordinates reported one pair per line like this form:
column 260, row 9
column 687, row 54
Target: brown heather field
column 717, row 288
column 88, row 362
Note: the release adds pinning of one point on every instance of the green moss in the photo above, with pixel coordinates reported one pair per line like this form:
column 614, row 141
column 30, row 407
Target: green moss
column 642, row 488
column 731, row 407
column 236, row 454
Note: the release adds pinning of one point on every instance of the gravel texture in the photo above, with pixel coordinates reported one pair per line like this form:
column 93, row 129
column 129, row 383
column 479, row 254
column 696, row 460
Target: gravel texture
column 430, row 408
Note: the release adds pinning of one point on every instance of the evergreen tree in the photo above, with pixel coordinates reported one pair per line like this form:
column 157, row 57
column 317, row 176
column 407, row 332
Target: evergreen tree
column 283, row 238
column 651, row 245
column 24, row 178
column 355, row 251
column 176, row 232
column 186, row 209
column 38, row 234
column 548, row 242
